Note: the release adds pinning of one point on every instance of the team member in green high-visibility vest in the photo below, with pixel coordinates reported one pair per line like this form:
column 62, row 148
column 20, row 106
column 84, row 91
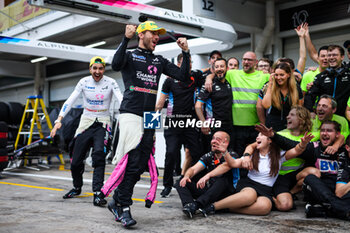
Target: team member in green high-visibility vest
column 298, row 122
column 291, row 174
column 325, row 110
column 347, row 111
column 246, row 84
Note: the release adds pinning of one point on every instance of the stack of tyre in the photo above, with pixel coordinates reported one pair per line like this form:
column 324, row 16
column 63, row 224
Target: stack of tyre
column 10, row 119
column 3, row 144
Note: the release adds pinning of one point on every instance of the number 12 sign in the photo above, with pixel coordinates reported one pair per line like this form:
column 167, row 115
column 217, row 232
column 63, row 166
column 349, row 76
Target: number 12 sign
column 208, row 8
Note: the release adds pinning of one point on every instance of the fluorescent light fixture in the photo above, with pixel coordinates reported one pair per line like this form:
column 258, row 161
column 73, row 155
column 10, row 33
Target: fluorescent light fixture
column 96, row 44
column 38, row 59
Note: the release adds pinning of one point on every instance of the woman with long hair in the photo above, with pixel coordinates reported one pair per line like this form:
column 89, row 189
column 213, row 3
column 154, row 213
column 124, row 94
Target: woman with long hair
column 279, row 95
column 254, row 193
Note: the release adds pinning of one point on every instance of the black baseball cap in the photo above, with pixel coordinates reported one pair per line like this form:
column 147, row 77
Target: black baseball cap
column 215, row 52
column 346, row 44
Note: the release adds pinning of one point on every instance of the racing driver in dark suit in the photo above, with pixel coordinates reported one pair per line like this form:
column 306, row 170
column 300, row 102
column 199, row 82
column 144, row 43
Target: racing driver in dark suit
column 141, row 71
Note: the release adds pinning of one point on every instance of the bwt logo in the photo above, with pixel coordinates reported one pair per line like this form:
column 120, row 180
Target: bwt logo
column 152, row 120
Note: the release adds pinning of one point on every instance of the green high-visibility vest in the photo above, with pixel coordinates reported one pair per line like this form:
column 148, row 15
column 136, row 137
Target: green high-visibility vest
column 344, row 126
column 245, row 90
column 308, row 77
column 292, row 164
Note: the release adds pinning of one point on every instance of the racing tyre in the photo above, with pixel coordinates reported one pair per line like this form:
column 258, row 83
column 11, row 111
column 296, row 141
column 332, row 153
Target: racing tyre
column 15, row 113
column 4, row 112
column 3, row 134
column 3, row 158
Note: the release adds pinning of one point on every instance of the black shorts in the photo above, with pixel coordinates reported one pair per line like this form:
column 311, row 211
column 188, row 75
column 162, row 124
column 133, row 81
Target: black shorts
column 261, row 189
column 285, row 183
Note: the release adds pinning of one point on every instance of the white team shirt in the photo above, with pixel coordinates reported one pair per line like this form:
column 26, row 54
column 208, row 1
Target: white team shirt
column 97, row 96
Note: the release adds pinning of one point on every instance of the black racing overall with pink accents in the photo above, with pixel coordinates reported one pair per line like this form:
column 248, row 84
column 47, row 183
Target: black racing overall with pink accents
column 141, row 71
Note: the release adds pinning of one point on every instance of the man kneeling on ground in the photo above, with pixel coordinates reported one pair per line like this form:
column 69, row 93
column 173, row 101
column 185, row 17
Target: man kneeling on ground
column 195, row 196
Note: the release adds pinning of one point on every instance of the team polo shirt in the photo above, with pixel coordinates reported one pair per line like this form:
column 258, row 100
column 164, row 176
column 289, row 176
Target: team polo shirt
column 343, row 176
column 245, row 91
column 181, row 95
column 344, row 126
column 206, row 73
column 210, row 162
column 315, row 156
column 308, row 77
column 219, row 101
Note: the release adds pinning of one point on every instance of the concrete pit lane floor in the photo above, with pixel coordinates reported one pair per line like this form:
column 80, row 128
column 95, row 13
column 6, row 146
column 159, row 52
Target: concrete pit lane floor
column 31, row 202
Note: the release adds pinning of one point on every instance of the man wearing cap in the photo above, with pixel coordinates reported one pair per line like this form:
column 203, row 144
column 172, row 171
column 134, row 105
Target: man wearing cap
column 94, row 125
column 141, row 71
column 215, row 54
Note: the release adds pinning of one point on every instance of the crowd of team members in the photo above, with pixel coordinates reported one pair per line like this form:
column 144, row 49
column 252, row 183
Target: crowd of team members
column 278, row 159
column 278, row 162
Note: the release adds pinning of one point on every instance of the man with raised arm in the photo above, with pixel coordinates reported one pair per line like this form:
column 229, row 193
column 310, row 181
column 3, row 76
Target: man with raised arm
column 141, row 71
column 97, row 90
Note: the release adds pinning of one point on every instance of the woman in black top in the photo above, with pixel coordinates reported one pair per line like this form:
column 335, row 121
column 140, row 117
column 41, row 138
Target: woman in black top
column 279, row 95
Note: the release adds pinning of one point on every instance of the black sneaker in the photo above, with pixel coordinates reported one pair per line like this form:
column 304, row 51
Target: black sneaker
column 115, row 209
column 126, row 219
column 99, row 199
column 207, row 210
column 314, row 211
column 166, row 192
column 308, row 196
column 72, row 193
column 190, row 209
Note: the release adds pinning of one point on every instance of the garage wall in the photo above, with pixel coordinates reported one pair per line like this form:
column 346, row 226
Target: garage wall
column 291, row 45
column 61, row 89
column 237, row 52
column 18, row 94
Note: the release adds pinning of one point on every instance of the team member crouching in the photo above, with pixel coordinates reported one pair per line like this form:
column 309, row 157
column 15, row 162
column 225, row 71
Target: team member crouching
column 97, row 91
column 320, row 184
column 342, row 187
column 325, row 193
column 298, row 122
column 194, row 197
column 254, row 193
